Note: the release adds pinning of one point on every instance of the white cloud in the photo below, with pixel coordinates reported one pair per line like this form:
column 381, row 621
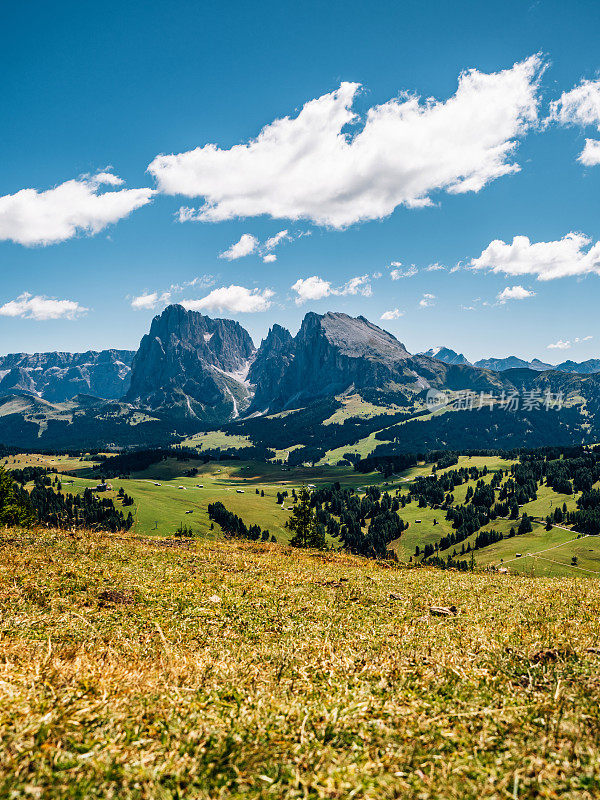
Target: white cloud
column 514, row 293
column 200, row 281
column 571, row 255
column 402, row 153
column 435, row 267
column 315, row 288
column 30, row 217
column 271, row 243
column 394, row 314
column 396, row 274
column 147, row 301
column 358, row 285
column 39, row 307
column 249, row 244
column 590, row 155
column 427, row 300
column 246, row 245
column 566, row 345
column 581, row 106
column 187, row 214
column 108, row 178
column 232, row 298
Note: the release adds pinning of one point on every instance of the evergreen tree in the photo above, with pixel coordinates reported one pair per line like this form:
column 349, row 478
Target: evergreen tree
column 303, row 524
column 15, row 508
column 525, row 525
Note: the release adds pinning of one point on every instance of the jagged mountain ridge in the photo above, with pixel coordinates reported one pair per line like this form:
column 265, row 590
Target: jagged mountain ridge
column 192, row 372
column 59, row 377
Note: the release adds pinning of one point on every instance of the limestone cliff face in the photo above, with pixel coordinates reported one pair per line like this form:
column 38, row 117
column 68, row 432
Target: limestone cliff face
column 59, row 377
column 193, row 366
column 273, row 358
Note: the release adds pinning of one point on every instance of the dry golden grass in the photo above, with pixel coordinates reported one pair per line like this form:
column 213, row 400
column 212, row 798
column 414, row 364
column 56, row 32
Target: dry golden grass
column 133, row 669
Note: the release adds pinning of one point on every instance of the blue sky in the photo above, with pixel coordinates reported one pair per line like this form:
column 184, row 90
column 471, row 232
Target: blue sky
column 106, row 88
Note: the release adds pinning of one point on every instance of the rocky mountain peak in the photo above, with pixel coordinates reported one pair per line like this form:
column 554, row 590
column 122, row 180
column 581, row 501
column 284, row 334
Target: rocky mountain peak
column 273, row 358
column 447, row 355
column 354, row 337
column 193, row 364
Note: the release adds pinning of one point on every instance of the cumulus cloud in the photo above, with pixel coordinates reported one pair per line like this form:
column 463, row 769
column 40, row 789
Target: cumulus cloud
column 590, row 155
column 574, row 254
column 581, row 106
column 147, row 301
column 31, row 217
column 403, row 152
column 315, row 288
column 269, row 258
column 232, row 298
column 396, row 274
column 514, row 293
column 246, row 245
column 566, row 345
column 39, row 307
column 394, row 314
column 427, row 300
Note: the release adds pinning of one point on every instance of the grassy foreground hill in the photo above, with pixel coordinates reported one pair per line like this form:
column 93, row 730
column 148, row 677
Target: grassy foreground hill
column 145, row 668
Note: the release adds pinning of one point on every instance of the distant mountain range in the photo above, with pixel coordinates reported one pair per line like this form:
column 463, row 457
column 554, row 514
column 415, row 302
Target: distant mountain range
column 513, row 362
column 58, row 377
column 192, row 373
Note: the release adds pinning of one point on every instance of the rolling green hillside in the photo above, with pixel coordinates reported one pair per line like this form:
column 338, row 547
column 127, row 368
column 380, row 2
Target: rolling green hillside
column 166, row 496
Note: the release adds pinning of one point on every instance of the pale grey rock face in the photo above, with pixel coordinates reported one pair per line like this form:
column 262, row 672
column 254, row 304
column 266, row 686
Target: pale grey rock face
column 334, row 351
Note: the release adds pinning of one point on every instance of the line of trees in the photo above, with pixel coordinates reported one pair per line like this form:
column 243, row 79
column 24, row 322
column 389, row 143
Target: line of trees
column 232, row 525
